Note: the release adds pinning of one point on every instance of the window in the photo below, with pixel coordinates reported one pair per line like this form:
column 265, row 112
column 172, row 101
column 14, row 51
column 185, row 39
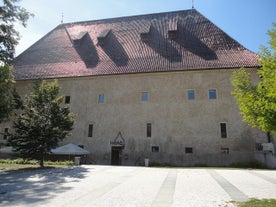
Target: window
column 224, row 150
column 191, row 94
column 6, row 131
column 145, row 96
column 223, row 132
column 154, row 149
column 188, row 150
column 148, row 129
column 212, row 94
column 101, row 98
column 90, row 130
column 81, row 146
column 67, row 100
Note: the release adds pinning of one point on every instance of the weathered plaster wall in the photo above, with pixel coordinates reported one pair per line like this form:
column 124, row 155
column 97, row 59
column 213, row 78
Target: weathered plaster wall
column 176, row 121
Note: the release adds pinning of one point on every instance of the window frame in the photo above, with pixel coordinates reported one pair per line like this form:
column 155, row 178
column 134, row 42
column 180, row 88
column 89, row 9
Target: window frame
column 144, row 96
column 90, row 130
column 224, row 150
column 193, row 94
column 67, row 99
column 210, row 94
column 155, row 149
column 223, row 134
column 189, row 150
column 149, row 130
column 101, row 98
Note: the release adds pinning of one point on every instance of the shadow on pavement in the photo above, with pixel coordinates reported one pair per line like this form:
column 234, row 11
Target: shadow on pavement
column 30, row 186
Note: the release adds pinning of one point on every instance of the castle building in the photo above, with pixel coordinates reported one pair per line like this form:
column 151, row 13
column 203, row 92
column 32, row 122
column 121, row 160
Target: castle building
column 153, row 86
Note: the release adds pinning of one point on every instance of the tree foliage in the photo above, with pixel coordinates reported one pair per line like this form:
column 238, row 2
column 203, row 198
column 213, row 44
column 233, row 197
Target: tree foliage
column 9, row 99
column 9, row 37
column 42, row 123
column 257, row 102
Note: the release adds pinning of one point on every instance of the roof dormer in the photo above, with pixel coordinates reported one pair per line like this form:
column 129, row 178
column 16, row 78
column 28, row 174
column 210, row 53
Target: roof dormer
column 79, row 38
column 172, row 29
column 145, row 32
column 102, row 36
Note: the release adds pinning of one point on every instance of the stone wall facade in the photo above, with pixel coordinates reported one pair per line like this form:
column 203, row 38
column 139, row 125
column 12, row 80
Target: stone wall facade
column 167, row 117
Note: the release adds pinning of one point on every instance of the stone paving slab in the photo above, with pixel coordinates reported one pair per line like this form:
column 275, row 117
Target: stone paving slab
column 264, row 176
column 235, row 193
column 164, row 198
column 104, row 186
column 196, row 187
column 250, row 184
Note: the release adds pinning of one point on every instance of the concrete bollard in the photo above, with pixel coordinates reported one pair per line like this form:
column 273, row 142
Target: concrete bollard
column 146, row 162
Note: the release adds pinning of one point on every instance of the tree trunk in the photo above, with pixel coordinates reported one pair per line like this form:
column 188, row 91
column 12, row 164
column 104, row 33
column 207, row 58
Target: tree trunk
column 268, row 137
column 41, row 161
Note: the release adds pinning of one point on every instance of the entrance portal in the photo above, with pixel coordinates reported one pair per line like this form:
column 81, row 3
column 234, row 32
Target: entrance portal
column 116, row 155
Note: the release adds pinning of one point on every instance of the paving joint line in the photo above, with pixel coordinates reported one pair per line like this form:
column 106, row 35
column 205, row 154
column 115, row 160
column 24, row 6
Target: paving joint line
column 228, row 187
column 89, row 197
column 264, row 177
column 165, row 195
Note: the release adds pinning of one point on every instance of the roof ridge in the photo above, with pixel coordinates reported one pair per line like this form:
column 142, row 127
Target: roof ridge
column 126, row 17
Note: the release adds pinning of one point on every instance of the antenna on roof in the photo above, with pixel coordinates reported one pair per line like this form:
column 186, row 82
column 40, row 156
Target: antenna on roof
column 193, row 4
column 61, row 18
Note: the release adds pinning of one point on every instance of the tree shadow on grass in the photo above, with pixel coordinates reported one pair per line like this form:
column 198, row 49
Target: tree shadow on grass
column 30, row 186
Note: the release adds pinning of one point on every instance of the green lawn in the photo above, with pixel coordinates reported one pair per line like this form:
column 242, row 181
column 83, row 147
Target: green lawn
column 5, row 166
column 17, row 164
column 253, row 202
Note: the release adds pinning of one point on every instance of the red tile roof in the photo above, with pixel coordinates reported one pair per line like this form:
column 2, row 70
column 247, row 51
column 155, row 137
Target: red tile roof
column 114, row 46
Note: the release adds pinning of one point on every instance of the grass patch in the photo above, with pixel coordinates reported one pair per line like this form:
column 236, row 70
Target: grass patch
column 15, row 164
column 253, row 202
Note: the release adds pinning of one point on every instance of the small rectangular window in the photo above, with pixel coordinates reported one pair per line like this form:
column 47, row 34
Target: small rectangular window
column 224, row 150
column 90, row 130
column 145, row 96
column 154, row 149
column 6, row 132
column 191, row 94
column 81, row 146
column 223, row 131
column 148, row 129
column 101, row 98
column 212, row 94
column 67, row 100
column 188, row 150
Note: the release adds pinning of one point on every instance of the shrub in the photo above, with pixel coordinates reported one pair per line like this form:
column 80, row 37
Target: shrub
column 21, row 161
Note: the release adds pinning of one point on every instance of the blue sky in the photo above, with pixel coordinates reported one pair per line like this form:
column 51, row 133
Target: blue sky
column 247, row 21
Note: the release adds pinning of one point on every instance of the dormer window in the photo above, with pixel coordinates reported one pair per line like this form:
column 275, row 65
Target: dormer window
column 145, row 32
column 79, row 38
column 172, row 34
column 172, row 31
column 102, row 36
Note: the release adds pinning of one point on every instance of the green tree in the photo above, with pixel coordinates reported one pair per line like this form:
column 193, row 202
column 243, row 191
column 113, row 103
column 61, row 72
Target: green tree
column 43, row 122
column 9, row 98
column 10, row 14
column 257, row 102
column 9, row 37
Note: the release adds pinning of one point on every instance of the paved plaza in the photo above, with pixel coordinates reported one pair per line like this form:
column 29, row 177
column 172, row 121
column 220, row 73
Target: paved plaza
column 105, row 186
